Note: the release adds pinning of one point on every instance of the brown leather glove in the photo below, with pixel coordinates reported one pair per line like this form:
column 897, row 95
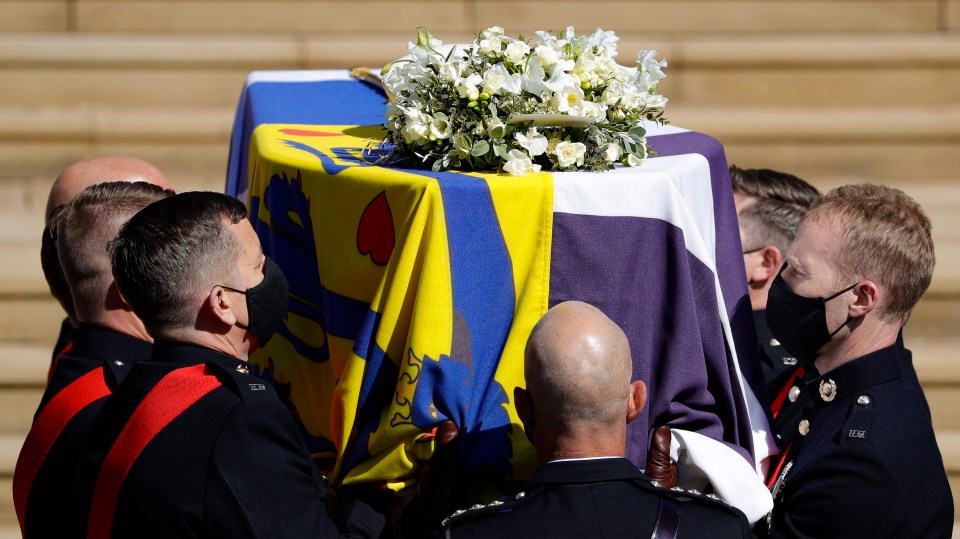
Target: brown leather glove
column 659, row 467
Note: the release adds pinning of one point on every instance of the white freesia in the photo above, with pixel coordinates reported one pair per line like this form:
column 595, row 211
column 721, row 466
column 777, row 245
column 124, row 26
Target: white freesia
column 496, row 128
column 592, row 110
column 570, row 153
column 519, row 163
column 468, row 91
column 569, row 99
column 440, row 126
column 533, row 141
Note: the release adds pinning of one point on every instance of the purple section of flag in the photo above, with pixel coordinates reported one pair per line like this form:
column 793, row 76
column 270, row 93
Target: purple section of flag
column 638, row 271
column 729, row 252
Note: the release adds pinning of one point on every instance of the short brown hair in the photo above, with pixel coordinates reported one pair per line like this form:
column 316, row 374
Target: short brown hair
column 886, row 238
column 766, row 184
column 87, row 224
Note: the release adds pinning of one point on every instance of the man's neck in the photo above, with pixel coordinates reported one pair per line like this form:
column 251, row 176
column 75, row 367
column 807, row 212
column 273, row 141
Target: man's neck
column 121, row 322
column 864, row 340
column 582, row 445
column 204, row 339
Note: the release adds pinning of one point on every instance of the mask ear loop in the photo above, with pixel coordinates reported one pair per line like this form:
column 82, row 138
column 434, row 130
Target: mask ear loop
column 849, row 318
column 246, row 298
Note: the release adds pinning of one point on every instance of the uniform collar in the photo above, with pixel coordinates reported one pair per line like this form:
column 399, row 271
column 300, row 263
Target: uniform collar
column 116, row 350
column 851, row 378
column 585, row 471
column 189, row 354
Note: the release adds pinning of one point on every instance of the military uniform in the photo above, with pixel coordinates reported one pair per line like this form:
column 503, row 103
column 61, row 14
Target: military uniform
column 864, row 462
column 44, row 472
column 777, row 364
column 228, row 464
column 605, row 497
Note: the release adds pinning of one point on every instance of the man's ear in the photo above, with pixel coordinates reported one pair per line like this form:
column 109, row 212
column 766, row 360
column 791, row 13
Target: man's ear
column 220, row 306
column 521, row 401
column 771, row 259
column 115, row 299
column 638, row 398
column 868, row 296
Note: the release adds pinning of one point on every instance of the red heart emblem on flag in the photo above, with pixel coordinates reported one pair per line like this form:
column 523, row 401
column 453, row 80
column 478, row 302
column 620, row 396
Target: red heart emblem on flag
column 375, row 234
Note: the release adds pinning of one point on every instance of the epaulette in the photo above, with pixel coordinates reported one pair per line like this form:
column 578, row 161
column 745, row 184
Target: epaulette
column 683, row 495
column 502, row 505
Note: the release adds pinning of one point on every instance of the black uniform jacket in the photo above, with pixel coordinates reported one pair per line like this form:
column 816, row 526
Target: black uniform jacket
column 597, row 498
column 93, row 348
column 777, row 364
column 230, row 465
column 865, row 462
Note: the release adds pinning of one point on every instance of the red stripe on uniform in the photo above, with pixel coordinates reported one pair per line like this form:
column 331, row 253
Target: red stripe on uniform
column 782, row 396
column 47, row 428
column 173, row 395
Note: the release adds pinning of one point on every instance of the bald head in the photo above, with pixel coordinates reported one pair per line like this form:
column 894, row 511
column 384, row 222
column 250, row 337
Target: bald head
column 578, row 366
column 82, row 174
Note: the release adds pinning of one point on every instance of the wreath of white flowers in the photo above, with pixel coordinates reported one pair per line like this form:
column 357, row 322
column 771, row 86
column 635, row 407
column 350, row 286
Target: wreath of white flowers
column 560, row 103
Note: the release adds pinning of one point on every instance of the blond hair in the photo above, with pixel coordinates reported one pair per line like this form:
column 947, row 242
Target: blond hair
column 886, row 238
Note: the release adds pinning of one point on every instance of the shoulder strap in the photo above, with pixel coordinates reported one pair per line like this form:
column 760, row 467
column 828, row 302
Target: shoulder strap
column 668, row 520
column 51, row 421
column 173, row 395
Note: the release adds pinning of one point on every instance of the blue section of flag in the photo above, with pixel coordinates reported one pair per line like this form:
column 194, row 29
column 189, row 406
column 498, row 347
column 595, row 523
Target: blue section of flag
column 483, row 303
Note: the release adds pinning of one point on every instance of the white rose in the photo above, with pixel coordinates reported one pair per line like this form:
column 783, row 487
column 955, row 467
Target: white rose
column 414, row 132
column 532, row 141
column 570, row 153
column 519, row 163
column 440, row 126
column 548, row 55
column 612, row 153
column 517, row 52
column 493, row 81
column 634, row 161
column 489, row 46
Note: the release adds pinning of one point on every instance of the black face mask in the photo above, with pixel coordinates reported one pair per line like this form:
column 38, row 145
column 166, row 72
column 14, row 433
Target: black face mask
column 266, row 303
column 798, row 322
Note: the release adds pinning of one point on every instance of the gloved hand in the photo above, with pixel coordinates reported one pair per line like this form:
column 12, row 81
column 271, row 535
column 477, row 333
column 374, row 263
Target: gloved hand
column 659, row 466
column 438, row 486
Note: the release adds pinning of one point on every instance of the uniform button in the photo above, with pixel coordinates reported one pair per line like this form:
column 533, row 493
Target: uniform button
column 863, row 400
column 791, row 361
column 804, row 427
column 118, row 363
column 774, row 342
column 794, row 393
column 243, row 369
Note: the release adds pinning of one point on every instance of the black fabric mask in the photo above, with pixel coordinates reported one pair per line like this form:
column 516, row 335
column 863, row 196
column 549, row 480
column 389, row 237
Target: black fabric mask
column 798, row 322
column 266, row 303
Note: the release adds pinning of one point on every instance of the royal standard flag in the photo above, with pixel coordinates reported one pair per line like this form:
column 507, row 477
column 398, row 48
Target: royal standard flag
column 412, row 293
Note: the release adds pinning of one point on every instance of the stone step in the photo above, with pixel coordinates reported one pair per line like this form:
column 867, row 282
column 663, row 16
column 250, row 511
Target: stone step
column 192, row 70
column 691, row 16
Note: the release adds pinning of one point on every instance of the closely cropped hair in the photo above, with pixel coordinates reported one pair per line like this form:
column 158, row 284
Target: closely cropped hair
column 886, row 238
column 766, row 184
column 50, row 263
column 86, row 225
column 173, row 250
column 782, row 201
